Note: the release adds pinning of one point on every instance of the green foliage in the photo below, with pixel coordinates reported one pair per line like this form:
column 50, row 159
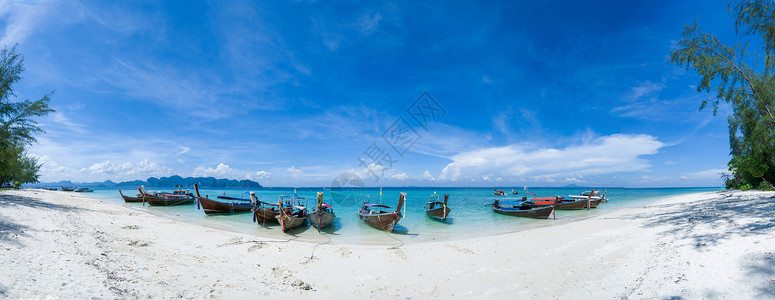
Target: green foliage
column 746, row 187
column 17, row 124
column 737, row 78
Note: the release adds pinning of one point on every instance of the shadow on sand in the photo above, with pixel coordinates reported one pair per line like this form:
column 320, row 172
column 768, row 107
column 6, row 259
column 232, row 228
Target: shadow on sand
column 708, row 222
column 762, row 265
column 9, row 230
column 727, row 217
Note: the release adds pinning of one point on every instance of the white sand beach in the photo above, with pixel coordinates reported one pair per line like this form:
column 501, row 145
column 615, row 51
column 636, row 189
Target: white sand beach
column 707, row 245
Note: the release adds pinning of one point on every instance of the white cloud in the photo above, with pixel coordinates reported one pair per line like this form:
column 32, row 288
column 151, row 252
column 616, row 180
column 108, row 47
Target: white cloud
column 645, row 89
column 574, row 180
column 63, row 121
column 183, row 149
column 263, row 174
column 294, row 171
column 220, row 170
column 602, row 155
column 427, row 176
column 401, row 176
column 127, row 168
column 709, row 174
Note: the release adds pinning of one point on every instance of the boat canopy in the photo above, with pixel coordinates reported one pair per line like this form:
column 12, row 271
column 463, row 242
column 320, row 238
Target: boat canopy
column 375, row 205
column 547, row 198
column 512, row 202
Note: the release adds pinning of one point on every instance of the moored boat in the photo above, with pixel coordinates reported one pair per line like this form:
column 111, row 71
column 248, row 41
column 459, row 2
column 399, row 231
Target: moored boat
column 498, row 193
column 520, row 209
column 559, row 203
column 139, row 197
column 263, row 212
column 321, row 215
column 437, row 209
column 232, row 205
column 374, row 215
column 83, row 190
column 594, row 197
column 291, row 213
column 178, row 197
column 67, row 189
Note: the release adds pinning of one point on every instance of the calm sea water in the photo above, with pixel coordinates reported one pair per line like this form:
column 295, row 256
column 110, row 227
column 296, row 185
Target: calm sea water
column 469, row 216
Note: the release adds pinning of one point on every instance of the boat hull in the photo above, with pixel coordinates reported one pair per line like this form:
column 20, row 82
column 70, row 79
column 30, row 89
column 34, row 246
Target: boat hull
column 321, row 219
column 578, row 204
column 264, row 215
column 384, row 221
column 533, row 213
column 129, row 198
column 211, row 206
column 440, row 213
column 156, row 201
column 289, row 222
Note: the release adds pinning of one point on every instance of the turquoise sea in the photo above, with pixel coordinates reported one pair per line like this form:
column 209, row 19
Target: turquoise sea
column 469, row 216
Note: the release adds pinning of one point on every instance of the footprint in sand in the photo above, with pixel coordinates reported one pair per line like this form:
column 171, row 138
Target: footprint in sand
column 344, row 252
column 461, row 250
column 256, row 247
column 398, row 253
column 138, row 244
column 231, row 242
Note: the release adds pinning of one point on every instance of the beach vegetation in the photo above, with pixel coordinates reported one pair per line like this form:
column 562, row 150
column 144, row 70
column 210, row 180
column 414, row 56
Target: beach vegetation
column 17, row 123
column 743, row 77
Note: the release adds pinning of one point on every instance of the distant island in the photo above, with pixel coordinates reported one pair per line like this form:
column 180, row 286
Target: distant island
column 172, row 181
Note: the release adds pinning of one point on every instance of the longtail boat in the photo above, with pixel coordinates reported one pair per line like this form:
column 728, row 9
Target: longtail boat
column 322, row 215
column 595, row 198
column 83, row 190
column 263, row 212
column 559, row 203
column 139, row 197
column 211, row 206
column 67, row 189
column 519, row 209
column 373, row 214
column 291, row 215
column 178, row 197
column 437, row 209
column 498, row 193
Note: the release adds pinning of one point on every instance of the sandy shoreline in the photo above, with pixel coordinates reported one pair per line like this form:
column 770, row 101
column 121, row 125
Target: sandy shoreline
column 706, row 245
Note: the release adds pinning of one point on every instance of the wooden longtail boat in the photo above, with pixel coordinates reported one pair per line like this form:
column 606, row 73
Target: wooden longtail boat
column 322, row 215
column 164, row 199
column 139, row 197
column 68, row 189
column 498, row 193
column 594, row 197
column 211, row 206
column 437, row 209
column 373, row 215
column 291, row 215
column 519, row 209
column 263, row 212
column 559, row 203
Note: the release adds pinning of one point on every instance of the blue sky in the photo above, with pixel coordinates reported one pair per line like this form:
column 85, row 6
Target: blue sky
column 293, row 93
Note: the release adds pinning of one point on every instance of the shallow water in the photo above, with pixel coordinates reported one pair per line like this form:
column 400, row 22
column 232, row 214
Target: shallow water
column 469, row 216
